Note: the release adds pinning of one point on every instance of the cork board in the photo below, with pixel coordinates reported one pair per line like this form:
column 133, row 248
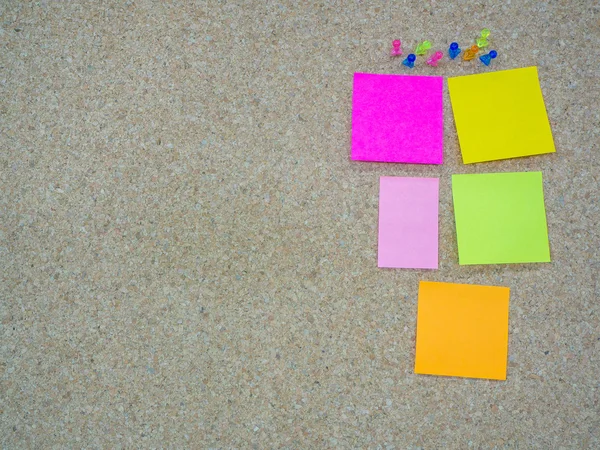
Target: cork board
column 189, row 255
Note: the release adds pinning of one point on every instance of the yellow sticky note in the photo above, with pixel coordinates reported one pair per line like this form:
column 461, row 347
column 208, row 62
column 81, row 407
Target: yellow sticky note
column 462, row 330
column 500, row 115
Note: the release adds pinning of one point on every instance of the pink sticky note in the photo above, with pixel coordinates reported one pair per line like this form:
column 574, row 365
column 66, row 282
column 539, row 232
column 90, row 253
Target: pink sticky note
column 397, row 118
column 408, row 222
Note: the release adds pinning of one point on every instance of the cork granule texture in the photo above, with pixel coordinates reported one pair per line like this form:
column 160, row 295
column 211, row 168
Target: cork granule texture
column 188, row 256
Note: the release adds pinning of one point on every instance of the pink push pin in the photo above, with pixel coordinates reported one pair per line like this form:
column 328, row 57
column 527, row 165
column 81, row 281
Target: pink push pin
column 433, row 59
column 396, row 50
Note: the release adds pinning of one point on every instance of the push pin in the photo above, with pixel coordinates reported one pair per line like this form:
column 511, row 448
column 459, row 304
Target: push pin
column 396, row 49
column 482, row 40
column 434, row 59
column 454, row 50
column 410, row 61
column 422, row 48
column 471, row 53
column 487, row 59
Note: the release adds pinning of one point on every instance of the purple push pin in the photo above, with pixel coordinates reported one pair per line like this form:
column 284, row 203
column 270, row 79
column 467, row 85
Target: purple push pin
column 396, row 50
column 433, row 59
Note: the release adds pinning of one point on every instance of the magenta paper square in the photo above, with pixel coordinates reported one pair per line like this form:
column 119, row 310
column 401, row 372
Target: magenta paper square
column 397, row 118
column 408, row 223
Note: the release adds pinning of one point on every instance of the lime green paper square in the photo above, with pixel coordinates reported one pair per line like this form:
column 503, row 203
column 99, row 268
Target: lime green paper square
column 500, row 218
column 500, row 115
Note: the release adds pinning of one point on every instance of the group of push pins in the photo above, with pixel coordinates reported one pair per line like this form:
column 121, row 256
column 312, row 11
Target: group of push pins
column 453, row 51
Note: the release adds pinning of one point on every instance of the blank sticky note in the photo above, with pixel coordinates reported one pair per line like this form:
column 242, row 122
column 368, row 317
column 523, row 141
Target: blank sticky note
column 500, row 115
column 462, row 330
column 500, row 218
column 408, row 223
column 397, row 118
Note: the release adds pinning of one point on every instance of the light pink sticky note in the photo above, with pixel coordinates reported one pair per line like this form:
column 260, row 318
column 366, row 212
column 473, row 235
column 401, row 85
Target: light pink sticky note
column 397, row 118
column 408, row 222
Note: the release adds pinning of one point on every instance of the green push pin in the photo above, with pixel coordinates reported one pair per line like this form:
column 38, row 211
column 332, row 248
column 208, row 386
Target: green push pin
column 422, row 48
column 482, row 40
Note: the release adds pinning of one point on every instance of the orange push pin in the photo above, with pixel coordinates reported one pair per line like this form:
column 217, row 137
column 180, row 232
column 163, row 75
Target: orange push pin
column 471, row 53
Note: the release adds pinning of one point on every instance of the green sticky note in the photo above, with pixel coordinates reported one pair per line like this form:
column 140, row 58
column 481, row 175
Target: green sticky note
column 500, row 218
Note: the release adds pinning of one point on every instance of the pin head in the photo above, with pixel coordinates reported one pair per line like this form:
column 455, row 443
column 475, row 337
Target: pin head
column 482, row 41
column 410, row 61
column 423, row 47
column 433, row 60
column 396, row 50
column 471, row 53
column 454, row 50
column 487, row 59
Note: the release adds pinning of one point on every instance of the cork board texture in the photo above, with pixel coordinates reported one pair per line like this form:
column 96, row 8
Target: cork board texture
column 189, row 254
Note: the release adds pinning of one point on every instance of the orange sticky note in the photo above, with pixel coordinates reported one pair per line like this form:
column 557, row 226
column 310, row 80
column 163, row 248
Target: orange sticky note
column 462, row 330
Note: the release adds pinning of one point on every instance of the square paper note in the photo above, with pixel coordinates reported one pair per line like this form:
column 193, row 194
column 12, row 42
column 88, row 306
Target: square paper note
column 462, row 330
column 408, row 222
column 500, row 115
column 500, row 218
column 397, row 118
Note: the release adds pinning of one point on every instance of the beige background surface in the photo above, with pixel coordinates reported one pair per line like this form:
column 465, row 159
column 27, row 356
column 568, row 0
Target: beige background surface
column 189, row 256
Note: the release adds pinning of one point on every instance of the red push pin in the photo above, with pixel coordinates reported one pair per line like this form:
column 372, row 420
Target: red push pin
column 434, row 59
column 396, row 50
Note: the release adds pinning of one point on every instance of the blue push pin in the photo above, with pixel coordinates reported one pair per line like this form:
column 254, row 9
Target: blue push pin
column 487, row 59
column 453, row 51
column 410, row 61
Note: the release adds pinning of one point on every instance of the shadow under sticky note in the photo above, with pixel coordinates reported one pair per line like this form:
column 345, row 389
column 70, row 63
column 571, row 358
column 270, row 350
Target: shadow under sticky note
column 397, row 118
column 500, row 218
column 500, row 115
column 408, row 223
column 462, row 330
